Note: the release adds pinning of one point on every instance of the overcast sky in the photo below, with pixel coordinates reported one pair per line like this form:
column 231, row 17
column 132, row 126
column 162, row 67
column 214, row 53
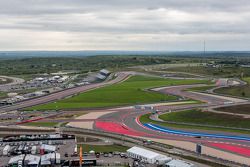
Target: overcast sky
column 171, row 25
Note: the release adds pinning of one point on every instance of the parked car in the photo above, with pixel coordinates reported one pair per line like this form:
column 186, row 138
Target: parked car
column 110, row 155
column 85, row 154
column 97, row 155
column 106, row 154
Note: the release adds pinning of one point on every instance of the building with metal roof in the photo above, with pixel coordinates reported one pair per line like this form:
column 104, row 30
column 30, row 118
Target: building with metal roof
column 47, row 148
column 14, row 160
column 50, row 159
column 147, row 155
column 31, row 160
column 105, row 72
column 101, row 77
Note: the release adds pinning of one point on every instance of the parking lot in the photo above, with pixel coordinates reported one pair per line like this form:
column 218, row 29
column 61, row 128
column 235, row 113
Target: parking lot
column 25, row 147
column 67, row 148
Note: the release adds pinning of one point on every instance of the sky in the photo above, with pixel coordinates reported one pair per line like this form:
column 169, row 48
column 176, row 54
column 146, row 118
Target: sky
column 154, row 25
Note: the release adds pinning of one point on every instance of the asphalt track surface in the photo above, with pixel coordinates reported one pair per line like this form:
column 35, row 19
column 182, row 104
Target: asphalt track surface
column 228, row 147
column 194, row 134
column 178, row 91
column 126, row 122
column 62, row 94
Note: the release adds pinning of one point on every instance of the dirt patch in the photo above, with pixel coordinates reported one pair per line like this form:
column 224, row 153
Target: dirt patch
column 87, row 139
column 239, row 109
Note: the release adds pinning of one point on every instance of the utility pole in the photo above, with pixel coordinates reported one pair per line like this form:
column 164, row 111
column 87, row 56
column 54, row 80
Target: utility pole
column 204, row 51
column 204, row 48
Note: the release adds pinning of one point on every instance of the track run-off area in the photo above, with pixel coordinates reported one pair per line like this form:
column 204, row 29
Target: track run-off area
column 126, row 120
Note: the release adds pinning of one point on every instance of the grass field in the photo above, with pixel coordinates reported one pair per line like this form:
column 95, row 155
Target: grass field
column 240, row 91
column 206, row 118
column 104, row 148
column 132, row 91
column 226, row 71
column 145, row 119
column 42, row 124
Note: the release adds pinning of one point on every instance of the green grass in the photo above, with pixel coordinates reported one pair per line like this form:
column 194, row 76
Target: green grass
column 225, row 71
column 104, row 148
column 247, row 79
column 201, row 89
column 239, row 91
column 42, row 124
column 133, row 91
column 145, row 119
column 3, row 95
column 206, row 118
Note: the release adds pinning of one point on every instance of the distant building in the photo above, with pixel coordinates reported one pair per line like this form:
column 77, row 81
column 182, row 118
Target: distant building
column 39, row 79
column 101, row 77
column 212, row 65
column 105, row 72
column 245, row 66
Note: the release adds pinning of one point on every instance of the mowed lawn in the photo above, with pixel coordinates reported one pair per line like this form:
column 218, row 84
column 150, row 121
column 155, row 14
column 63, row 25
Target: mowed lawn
column 146, row 119
column 207, row 118
column 103, row 148
column 41, row 124
column 132, row 91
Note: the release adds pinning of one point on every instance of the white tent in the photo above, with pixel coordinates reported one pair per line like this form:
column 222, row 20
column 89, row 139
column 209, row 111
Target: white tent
column 147, row 155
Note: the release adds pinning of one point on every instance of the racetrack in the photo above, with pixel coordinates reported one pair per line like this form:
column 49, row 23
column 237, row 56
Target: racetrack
column 14, row 81
column 62, row 94
column 125, row 120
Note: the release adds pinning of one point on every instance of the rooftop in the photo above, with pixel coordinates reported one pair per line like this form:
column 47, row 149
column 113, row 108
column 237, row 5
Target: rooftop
column 16, row 159
column 32, row 159
column 100, row 76
column 143, row 152
column 48, row 147
column 104, row 71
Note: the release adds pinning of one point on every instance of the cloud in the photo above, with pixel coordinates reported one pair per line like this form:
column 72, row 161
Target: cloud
column 124, row 25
